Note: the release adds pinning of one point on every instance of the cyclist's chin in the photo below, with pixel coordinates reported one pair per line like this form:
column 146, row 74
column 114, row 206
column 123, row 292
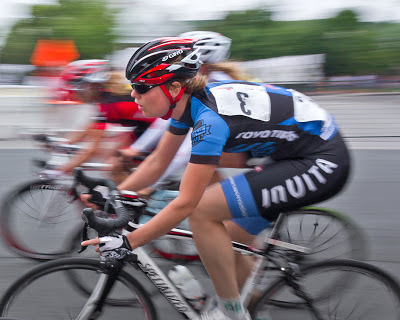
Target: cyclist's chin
column 147, row 113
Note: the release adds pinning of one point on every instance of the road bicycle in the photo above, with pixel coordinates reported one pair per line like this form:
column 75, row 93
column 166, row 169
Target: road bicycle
column 280, row 286
column 37, row 213
column 49, row 204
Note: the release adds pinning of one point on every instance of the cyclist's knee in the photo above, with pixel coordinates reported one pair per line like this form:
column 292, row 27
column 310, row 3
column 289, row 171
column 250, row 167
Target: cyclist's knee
column 199, row 219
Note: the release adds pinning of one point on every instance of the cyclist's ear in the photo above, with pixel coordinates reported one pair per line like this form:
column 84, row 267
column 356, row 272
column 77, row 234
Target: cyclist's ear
column 175, row 88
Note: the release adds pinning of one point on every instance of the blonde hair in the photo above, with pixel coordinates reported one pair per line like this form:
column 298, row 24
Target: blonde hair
column 117, row 84
column 193, row 84
column 231, row 68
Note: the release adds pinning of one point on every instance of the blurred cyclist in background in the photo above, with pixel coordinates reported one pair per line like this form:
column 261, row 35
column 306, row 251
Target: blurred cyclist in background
column 71, row 77
column 109, row 91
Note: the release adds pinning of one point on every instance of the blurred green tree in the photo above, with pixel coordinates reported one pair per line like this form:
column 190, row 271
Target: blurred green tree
column 89, row 23
column 344, row 20
column 351, row 47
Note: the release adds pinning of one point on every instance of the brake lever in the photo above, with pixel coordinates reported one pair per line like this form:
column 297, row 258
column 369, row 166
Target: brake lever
column 84, row 236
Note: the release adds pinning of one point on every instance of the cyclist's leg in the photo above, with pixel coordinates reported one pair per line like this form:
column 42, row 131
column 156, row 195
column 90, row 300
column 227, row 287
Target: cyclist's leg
column 215, row 249
column 257, row 197
column 213, row 242
column 243, row 263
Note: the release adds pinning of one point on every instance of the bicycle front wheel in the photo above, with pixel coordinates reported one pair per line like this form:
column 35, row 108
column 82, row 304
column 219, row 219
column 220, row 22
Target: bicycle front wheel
column 369, row 294
column 36, row 215
column 45, row 294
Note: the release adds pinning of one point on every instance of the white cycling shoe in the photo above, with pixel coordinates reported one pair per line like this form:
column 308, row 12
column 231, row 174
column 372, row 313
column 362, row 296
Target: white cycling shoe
column 217, row 314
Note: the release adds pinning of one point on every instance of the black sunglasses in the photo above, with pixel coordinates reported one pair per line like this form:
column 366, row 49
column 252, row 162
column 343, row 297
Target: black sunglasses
column 142, row 88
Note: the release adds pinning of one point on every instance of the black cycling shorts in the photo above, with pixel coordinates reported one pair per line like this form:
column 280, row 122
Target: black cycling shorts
column 257, row 197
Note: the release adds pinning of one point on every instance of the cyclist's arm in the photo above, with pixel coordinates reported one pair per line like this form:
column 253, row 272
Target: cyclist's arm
column 178, row 164
column 123, row 140
column 151, row 169
column 150, row 138
column 87, row 130
column 78, row 136
column 96, row 136
column 194, row 182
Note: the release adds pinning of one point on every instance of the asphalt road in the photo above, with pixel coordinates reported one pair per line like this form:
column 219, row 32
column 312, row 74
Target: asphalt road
column 370, row 197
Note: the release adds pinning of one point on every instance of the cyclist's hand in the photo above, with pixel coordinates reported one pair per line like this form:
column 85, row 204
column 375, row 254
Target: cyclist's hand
column 128, row 153
column 114, row 246
column 85, row 198
column 110, row 246
column 91, row 242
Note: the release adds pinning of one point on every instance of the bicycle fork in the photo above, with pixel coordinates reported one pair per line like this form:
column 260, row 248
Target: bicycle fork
column 94, row 305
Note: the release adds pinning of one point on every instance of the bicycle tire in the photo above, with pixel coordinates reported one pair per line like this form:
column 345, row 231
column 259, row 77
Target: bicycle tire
column 20, row 300
column 29, row 217
column 328, row 233
column 370, row 288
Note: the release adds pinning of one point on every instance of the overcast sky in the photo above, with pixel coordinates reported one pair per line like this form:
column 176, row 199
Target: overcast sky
column 370, row 10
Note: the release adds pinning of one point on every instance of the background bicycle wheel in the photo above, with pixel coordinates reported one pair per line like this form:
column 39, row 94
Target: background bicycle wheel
column 328, row 234
column 37, row 218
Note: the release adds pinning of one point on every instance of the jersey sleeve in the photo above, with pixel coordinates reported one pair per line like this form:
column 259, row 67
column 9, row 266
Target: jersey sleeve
column 178, row 128
column 209, row 136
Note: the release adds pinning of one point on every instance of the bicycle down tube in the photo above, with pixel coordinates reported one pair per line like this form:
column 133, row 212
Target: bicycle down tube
column 168, row 289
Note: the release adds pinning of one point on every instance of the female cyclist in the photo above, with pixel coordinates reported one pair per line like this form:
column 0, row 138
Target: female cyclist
column 239, row 119
column 215, row 50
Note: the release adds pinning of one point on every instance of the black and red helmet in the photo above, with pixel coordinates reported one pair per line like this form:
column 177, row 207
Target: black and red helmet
column 163, row 59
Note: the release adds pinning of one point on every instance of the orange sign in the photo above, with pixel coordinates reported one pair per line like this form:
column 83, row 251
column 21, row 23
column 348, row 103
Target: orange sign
column 54, row 53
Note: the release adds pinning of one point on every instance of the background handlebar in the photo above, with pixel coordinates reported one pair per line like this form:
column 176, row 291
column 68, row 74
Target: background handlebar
column 102, row 225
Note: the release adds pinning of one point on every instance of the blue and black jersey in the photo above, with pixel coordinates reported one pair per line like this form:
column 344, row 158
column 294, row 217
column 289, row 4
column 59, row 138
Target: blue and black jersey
column 260, row 119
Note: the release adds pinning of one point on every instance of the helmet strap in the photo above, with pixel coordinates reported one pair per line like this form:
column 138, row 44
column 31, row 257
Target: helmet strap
column 171, row 100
